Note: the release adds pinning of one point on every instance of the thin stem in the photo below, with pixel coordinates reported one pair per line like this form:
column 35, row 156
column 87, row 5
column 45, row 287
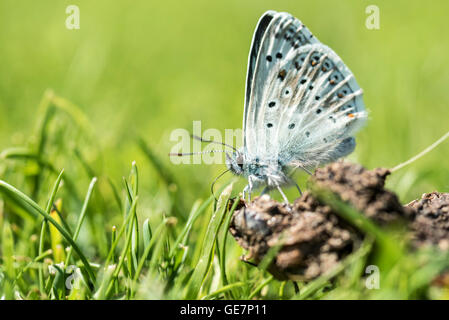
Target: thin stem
column 422, row 153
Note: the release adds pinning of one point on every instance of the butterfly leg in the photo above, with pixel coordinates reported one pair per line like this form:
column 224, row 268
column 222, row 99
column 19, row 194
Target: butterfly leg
column 296, row 185
column 299, row 189
column 247, row 190
column 264, row 191
column 283, row 194
column 250, row 188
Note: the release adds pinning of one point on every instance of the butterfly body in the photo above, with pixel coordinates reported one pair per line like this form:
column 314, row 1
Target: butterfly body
column 269, row 172
column 302, row 105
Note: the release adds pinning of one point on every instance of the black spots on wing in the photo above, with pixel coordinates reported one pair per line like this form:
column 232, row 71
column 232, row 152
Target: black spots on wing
column 307, row 134
column 317, row 98
column 310, row 87
column 318, row 111
column 343, row 92
column 332, row 119
column 351, row 109
column 299, row 62
column 289, row 34
column 286, row 92
column 325, row 140
column 335, row 78
column 298, row 40
column 327, row 65
column 314, row 58
column 269, row 125
column 271, row 104
column 291, row 126
column 348, row 110
column 278, row 56
column 303, row 81
column 282, row 74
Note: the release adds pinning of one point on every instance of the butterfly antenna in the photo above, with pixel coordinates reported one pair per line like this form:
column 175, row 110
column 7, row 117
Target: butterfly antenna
column 422, row 153
column 181, row 154
column 215, row 180
column 211, row 141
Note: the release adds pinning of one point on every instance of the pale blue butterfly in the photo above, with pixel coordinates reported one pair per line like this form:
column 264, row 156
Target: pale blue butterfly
column 302, row 108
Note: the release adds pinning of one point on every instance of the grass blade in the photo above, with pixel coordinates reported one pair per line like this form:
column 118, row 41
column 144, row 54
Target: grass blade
column 205, row 260
column 28, row 204
column 81, row 217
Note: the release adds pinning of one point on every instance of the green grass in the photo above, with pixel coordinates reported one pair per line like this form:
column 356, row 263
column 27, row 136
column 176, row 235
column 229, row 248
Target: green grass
column 131, row 75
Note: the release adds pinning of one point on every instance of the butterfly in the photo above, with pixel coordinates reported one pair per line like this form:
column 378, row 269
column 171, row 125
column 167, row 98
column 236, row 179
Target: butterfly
column 302, row 106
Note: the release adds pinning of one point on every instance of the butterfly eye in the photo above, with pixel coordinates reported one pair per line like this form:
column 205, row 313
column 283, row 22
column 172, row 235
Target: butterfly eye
column 239, row 160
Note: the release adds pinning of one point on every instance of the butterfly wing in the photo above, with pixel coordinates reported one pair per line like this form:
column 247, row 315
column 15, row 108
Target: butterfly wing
column 303, row 104
column 276, row 35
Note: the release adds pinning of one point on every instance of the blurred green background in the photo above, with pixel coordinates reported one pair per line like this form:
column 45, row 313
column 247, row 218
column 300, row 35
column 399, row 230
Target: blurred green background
column 144, row 68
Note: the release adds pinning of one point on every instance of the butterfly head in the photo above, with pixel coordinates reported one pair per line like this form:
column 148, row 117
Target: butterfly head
column 234, row 162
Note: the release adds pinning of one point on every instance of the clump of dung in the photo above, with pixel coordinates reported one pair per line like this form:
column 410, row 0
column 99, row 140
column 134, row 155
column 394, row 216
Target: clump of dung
column 431, row 225
column 315, row 238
